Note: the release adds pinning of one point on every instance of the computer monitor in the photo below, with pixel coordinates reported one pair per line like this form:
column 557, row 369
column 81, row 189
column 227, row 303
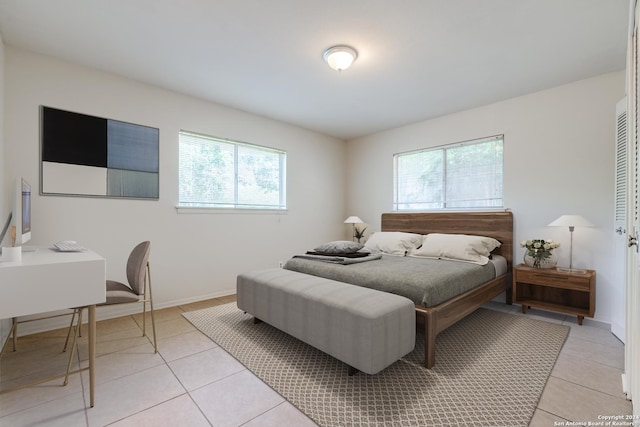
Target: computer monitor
column 22, row 211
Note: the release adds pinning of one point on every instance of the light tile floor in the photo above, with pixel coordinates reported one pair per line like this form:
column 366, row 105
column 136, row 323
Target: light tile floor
column 193, row 382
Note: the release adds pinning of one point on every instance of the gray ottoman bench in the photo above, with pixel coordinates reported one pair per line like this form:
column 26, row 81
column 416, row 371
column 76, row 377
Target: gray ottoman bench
column 364, row 328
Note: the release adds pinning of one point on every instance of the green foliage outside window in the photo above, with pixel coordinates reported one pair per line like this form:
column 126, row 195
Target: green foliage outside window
column 458, row 176
column 227, row 174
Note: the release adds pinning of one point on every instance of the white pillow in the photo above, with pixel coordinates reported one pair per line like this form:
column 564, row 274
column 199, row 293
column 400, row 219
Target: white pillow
column 458, row 247
column 393, row 242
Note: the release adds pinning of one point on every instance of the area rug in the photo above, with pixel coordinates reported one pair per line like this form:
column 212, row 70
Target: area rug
column 491, row 368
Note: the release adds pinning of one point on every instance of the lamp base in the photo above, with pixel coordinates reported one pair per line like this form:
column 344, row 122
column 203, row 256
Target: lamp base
column 572, row 270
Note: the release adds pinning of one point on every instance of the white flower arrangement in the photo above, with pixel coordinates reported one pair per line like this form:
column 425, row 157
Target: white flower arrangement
column 539, row 249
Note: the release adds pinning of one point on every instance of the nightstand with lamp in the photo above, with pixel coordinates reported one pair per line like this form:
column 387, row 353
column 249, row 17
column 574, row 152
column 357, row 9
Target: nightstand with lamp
column 567, row 290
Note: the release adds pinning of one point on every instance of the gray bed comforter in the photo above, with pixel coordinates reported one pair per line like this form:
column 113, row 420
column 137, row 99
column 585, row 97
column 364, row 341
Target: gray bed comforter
column 427, row 282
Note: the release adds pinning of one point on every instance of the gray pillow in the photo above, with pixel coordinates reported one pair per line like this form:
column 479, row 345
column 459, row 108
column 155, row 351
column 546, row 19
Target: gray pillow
column 339, row 247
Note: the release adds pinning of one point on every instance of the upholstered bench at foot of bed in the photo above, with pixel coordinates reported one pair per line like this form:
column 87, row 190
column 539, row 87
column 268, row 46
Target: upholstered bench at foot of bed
column 364, row 328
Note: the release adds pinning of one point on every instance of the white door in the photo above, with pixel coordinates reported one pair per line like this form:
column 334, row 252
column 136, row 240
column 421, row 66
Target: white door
column 631, row 376
column 620, row 224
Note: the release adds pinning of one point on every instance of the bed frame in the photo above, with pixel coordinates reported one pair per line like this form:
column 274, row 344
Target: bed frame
column 498, row 225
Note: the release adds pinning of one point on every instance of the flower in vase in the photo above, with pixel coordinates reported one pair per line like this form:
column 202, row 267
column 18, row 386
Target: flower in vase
column 359, row 233
column 539, row 249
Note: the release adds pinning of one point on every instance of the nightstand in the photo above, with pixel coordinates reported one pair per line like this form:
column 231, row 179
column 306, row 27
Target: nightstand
column 551, row 289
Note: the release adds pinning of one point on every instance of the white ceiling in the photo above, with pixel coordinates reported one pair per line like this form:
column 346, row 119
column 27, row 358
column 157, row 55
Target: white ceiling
column 418, row 59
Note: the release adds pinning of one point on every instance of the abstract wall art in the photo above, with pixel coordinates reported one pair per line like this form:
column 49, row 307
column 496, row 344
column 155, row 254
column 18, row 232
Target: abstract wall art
column 83, row 155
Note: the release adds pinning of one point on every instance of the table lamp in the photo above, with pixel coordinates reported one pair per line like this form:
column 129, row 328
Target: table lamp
column 353, row 220
column 571, row 221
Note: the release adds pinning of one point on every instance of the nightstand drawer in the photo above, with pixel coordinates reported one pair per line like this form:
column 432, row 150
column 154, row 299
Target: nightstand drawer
column 552, row 278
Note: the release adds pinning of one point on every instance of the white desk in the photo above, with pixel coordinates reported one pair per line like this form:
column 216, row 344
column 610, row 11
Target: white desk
column 46, row 280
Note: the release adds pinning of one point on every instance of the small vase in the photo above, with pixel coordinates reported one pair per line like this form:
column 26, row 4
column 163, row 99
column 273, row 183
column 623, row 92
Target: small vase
column 548, row 262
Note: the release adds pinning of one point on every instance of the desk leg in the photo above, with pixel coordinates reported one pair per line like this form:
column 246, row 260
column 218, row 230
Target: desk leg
column 92, row 352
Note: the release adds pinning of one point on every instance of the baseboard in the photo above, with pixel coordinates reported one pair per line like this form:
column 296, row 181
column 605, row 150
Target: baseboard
column 37, row 324
column 618, row 330
column 624, row 384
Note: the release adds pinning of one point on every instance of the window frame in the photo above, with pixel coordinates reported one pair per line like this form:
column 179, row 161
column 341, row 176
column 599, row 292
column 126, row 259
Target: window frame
column 444, row 148
column 223, row 207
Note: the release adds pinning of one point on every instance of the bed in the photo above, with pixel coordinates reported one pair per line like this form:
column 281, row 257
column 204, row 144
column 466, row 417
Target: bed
column 433, row 315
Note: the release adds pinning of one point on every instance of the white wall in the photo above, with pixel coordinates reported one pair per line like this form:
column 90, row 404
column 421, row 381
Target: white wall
column 4, row 210
column 5, row 324
column 193, row 256
column 558, row 159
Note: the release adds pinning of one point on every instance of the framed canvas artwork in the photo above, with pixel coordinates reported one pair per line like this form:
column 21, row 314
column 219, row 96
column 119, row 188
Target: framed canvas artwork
column 83, row 155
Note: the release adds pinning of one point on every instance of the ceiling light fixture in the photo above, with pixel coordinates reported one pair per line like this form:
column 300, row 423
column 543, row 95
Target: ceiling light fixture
column 340, row 57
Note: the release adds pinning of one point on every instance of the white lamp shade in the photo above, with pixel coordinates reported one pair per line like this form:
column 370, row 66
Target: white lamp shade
column 571, row 221
column 340, row 57
column 353, row 220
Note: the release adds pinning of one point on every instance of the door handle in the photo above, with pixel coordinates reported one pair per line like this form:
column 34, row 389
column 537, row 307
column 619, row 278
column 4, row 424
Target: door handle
column 632, row 241
column 620, row 231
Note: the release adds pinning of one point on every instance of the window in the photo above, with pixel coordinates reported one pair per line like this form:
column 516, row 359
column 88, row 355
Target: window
column 465, row 175
column 218, row 173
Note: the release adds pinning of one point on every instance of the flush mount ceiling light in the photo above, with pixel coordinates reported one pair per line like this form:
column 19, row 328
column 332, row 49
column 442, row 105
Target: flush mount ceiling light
column 340, row 57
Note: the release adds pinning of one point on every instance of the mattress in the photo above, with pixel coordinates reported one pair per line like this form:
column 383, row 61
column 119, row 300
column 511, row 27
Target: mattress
column 427, row 282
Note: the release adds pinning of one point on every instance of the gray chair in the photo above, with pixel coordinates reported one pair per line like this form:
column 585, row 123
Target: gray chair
column 139, row 278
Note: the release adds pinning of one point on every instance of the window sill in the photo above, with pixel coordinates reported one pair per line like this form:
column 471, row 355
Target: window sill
column 235, row 211
column 486, row 209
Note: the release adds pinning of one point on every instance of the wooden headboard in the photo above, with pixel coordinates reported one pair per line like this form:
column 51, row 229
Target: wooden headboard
column 498, row 225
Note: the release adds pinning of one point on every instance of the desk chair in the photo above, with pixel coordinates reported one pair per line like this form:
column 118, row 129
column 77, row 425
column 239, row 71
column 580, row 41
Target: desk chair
column 138, row 274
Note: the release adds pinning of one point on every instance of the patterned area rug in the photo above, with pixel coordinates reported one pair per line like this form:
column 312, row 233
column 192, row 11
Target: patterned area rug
column 491, row 368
